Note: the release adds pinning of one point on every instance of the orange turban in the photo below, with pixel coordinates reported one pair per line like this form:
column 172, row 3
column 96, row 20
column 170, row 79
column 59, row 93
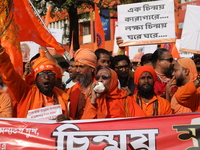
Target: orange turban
column 59, row 72
column 42, row 63
column 189, row 64
column 86, row 56
column 140, row 70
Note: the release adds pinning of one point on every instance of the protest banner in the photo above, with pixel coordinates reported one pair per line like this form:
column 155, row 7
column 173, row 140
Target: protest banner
column 182, row 11
column 146, row 23
column 183, row 54
column 190, row 38
column 45, row 113
column 169, row 132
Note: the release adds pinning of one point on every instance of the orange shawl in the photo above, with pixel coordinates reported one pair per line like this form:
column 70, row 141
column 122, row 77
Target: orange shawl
column 113, row 104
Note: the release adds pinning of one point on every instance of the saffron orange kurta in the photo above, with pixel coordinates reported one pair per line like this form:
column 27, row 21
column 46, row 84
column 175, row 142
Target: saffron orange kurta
column 189, row 97
column 164, row 107
column 28, row 96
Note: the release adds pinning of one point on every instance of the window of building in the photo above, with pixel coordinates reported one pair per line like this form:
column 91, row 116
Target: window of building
column 86, row 28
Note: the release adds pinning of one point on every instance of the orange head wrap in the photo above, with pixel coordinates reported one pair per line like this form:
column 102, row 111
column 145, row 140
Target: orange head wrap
column 86, row 56
column 189, row 64
column 59, row 72
column 140, row 70
column 42, row 63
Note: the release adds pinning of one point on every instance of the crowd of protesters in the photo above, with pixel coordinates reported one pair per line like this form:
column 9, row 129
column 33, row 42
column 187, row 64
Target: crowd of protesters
column 101, row 85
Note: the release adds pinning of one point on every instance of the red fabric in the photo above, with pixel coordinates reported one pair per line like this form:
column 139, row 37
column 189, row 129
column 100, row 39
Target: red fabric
column 100, row 36
column 140, row 70
column 30, row 28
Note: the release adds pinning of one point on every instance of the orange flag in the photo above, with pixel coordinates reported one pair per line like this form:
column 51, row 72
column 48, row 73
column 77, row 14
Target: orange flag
column 30, row 28
column 9, row 36
column 48, row 16
column 100, row 36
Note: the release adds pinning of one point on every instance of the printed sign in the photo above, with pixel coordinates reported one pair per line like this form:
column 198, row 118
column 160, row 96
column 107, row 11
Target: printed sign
column 169, row 132
column 190, row 38
column 146, row 23
column 45, row 113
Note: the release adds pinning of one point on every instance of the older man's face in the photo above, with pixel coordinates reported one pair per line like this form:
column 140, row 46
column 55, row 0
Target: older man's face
column 84, row 74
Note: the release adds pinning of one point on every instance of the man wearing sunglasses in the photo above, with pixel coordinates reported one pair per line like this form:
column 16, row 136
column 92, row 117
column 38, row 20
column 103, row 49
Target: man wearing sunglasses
column 42, row 94
column 162, row 62
column 121, row 65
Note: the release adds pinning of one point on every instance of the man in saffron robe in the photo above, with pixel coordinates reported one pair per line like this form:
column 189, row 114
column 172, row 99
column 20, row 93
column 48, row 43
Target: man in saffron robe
column 85, row 62
column 187, row 97
column 42, row 94
column 146, row 98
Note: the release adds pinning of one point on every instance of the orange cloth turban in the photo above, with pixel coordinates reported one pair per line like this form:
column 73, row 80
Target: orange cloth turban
column 86, row 56
column 42, row 63
column 140, row 70
column 189, row 64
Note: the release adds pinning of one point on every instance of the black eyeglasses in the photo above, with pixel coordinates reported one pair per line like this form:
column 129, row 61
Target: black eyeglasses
column 43, row 74
column 169, row 59
column 120, row 67
column 104, row 77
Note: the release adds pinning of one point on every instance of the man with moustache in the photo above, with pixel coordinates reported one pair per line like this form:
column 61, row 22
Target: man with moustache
column 150, row 103
column 85, row 62
column 121, row 65
column 103, row 58
column 187, row 97
column 162, row 62
column 42, row 94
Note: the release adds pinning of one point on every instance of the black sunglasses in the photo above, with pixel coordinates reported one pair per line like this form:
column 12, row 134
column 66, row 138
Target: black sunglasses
column 43, row 74
column 104, row 77
column 169, row 59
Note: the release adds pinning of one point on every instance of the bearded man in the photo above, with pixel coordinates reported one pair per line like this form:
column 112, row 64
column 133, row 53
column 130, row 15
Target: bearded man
column 187, row 97
column 162, row 62
column 42, row 94
column 150, row 103
column 85, row 62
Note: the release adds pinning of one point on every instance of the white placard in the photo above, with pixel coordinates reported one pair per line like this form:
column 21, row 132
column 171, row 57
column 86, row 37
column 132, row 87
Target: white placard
column 45, row 113
column 136, row 52
column 182, row 53
column 190, row 39
column 146, row 23
column 29, row 49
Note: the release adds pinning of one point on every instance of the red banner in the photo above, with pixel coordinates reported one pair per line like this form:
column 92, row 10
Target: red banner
column 170, row 132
